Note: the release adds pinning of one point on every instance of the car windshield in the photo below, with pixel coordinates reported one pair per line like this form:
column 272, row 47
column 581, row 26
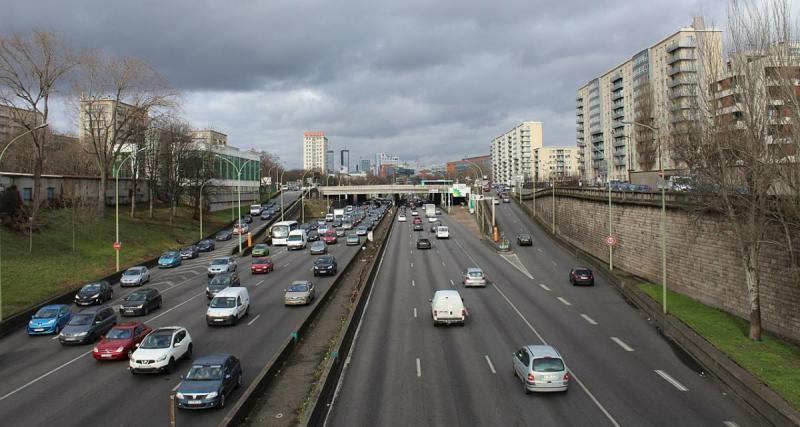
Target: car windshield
column 219, row 261
column 119, row 334
column 323, row 260
column 169, row 255
column 81, row 319
column 223, row 302
column 296, row 238
column 260, row 246
column 299, row 287
column 221, row 280
column 136, row 296
column 187, row 249
column 524, row 236
column 46, row 313
column 222, row 233
column 548, row 364
column 280, row 231
column 261, row 261
column 91, row 288
column 133, row 272
column 475, row 274
column 152, row 341
column 204, row 373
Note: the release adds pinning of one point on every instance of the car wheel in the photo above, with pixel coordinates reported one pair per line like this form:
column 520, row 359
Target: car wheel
column 239, row 381
column 222, row 400
column 171, row 365
column 188, row 354
column 146, row 310
column 133, row 371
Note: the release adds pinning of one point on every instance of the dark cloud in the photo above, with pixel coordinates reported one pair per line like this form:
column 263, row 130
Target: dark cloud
column 427, row 80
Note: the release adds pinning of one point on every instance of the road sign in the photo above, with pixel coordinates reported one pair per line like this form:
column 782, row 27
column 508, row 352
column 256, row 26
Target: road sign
column 611, row 241
column 117, row 246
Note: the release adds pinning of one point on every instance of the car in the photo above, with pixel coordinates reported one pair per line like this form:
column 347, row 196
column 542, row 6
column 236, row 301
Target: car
column 87, row 325
column 300, row 292
column 361, row 230
column 135, row 276
column 337, row 223
column 312, row 236
column 401, row 218
column 438, row 212
column 189, row 252
column 434, row 227
column 325, row 265
column 581, row 276
column 266, row 214
column 260, row 249
column 447, row 307
column 418, row 227
column 228, row 306
column 541, row 368
column 206, row 246
column 340, row 232
column 241, row 228
column 524, row 239
column 432, row 219
column 161, row 350
column 417, row 220
column 49, row 319
column 255, row 209
column 495, row 201
column 473, row 276
column 119, row 342
column 221, row 265
column 169, row 259
column 209, row 381
column 329, row 217
column 330, row 237
column 506, row 200
column 318, row 248
column 414, row 212
column 352, row 239
column 261, row 265
column 224, row 235
column 247, row 219
column 423, row 243
column 442, row 232
column 347, row 225
column 220, row 282
column 140, row 302
column 94, row 293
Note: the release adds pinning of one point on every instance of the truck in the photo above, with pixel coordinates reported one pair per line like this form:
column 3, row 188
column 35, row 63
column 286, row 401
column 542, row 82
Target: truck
column 430, row 209
column 338, row 214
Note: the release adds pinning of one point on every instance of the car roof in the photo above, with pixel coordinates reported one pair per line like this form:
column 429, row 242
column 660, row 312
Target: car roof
column 53, row 306
column 231, row 291
column 543, row 351
column 212, row 359
column 222, row 257
column 448, row 293
column 127, row 325
column 94, row 309
column 475, row 270
column 300, row 282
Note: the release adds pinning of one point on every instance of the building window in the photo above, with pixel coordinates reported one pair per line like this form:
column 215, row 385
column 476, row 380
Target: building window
column 51, row 193
column 27, row 194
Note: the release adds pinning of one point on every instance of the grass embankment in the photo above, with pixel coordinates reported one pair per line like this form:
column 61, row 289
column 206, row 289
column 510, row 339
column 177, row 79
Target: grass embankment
column 315, row 208
column 772, row 360
column 53, row 267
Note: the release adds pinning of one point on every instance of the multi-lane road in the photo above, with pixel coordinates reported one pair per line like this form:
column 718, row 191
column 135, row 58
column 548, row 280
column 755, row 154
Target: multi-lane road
column 404, row 371
column 44, row 383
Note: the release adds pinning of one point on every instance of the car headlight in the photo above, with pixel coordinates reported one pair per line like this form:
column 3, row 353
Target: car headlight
column 50, row 322
column 95, row 350
column 139, row 306
column 119, row 349
column 162, row 358
column 212, row 395
column 179, row 395
column 81, row 334
column 94, row 296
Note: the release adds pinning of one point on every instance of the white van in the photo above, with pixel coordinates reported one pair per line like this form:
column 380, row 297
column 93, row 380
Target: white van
column 329, row 217
column 447, row 307
column 228, row 306
column 297, row 239
column 442, row 232
column 255, row 209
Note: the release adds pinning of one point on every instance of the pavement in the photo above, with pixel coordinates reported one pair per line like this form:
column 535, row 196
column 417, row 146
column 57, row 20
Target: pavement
column 404, row 371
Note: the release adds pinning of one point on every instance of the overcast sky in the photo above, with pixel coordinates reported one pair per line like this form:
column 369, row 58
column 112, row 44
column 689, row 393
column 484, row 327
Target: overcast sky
column 430, row 80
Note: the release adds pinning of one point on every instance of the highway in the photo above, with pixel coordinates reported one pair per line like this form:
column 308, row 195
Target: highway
column 404, row 371
column 45, row 383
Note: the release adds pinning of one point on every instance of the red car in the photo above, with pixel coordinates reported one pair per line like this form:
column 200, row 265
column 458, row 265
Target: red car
column 417, row 220
column 330, row 237
column 262, row 265
column 120, row 341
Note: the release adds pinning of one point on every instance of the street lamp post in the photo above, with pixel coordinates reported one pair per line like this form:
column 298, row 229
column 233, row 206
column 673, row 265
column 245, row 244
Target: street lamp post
column 115, row 170
column 201, row 208
column 281, row 184
column 553, row 191
column 239, row 170
column 663, row 213
column 269, row 174
column 302, row 197
column 610, row 231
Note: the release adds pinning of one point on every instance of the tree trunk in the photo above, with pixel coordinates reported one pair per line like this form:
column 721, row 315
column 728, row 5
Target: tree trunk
column 37, row 188
column 101, row 194
column 753, row 290
column 150, row 196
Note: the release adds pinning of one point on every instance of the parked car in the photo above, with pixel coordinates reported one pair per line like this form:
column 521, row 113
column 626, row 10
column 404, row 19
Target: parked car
column 325, row 265
column 135, row 276
column 541, row 368
column 228, row 306
column 473, row 276
column 261, row 265
column 190, row 252
column 447, row 307
column 161, row 350
column 260, row 249
column 140, row 302
column 524, row 239
column 94, row 293
column 581, row 276
column 220, row 282
column 330, row 237
column 224, row 235
column 318, row 248
column 209, row 381
column 221, row 265
column 169, row 259
column 49, row 319
column 423, row 243
column 300, row 292
column 352, row 239
column 87, row 325
column 120, row 341
column 206, row 246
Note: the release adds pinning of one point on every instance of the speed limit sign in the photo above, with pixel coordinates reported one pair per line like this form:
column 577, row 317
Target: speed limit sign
column 611, row 241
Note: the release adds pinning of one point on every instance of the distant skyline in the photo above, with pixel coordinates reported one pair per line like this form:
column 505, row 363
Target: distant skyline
column 427, row 81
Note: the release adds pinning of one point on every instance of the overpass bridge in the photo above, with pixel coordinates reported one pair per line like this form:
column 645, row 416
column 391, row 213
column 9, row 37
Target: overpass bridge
column 376, row 189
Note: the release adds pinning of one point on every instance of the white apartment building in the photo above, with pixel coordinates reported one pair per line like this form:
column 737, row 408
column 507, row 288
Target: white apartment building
column 656, row 87
column 209, row 136
column 315, row 151
column 555, row 163
column 385, row 159
column 513, row 153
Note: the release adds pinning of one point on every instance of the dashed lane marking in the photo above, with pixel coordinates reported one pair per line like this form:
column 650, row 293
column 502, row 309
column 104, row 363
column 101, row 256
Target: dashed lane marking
column 622, row 344
column 419, row 369
column 671, row 380
column 253, row 321
column 588, row 319
column 563, row 301
column 489, row 361
column 543, row 286
column 415, row 312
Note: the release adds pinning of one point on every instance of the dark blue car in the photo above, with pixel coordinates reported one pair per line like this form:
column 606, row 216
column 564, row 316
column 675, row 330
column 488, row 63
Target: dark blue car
column 209, row 382
column 50, row 319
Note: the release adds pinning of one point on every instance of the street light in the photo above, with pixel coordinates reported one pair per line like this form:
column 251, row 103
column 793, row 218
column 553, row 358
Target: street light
column 3, row 153
column 238, row 170
column 115, row 170
column 281, row 184
column 302, row 197
column 663, row 213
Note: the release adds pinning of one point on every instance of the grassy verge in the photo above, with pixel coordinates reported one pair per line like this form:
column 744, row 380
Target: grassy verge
column 53, row 267
column 772, row 360
column 315, row 208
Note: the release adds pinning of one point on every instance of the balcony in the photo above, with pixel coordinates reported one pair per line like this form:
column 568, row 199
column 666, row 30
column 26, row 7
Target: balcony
column 681, row 68
column 617, row 85
column 682, row 43
column 618, row 113
column 619, row 161
column 681, row 81
column 619, row 142
column 681, row 55
column 618, row 95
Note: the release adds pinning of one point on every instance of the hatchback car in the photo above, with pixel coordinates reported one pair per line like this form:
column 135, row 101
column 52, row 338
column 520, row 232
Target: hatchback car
column 418, row 227
column 209, row 381
column 170, row 259
column 325, row 265
column 247, row 219
column 49, row 319
column 330, row 237
column 161, row 350
column 423, row 244
column 135, row 276
column 581, row 276
column 261, row 265
column 401, row 218
column 361, row 230
column 300, row 292
column 417, row 220
column 189, row 252
column 120, row 341
column 524, row 239
column 352, row 239
column 318, row 248
column 224, row 235
column 541, row 368
column 94, row 293
column 260, row 249
column 340, row 232
column 266, row 214
column 241, row 228
column 221, row 265
column 312, row 236
column 140, row 302
column 206, row 246
column 473, row 276
column 87, row 325
column 220, row 282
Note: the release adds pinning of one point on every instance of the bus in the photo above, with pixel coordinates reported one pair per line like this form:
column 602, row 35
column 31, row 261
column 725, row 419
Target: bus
column 280, row 232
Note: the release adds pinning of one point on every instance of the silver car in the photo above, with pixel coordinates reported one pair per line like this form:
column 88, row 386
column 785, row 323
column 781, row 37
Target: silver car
column 541, row 368
column 352, row 239
column 473, row 276
column 221, row 265
column 300, row 292
column 318, row 248
column 135, row 276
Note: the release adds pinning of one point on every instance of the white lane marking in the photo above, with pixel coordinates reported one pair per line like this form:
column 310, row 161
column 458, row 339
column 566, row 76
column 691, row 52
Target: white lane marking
column 563, row 301
column 489, row 361
column 554, row 263
column 671, row 380
column 730, row 424
column 588, row 319
column 540, row 250
column 287, row 264
column 443, row 264
column 419, row 369
column 260, row 282
column 514, row 260
column 254, row 319
column 412, row 265
column 40, row 377
column 622, row 344
column 452, row 283
column 544, row 286
column 412, row 283
column 411, row 252
column 415, row 312
column 173, row 308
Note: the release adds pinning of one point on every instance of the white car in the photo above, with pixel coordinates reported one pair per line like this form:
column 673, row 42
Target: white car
column 401, row 218
column 414, row 213
column 442, row 232
column 135, row 276
column 432, row 219
column 496, row 201
column 221, row 265
column 241, row 228
column 161, row 350
column 255, row 210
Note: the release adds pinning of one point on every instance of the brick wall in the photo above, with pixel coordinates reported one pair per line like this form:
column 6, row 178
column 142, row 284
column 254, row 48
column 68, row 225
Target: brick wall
column 701, row 259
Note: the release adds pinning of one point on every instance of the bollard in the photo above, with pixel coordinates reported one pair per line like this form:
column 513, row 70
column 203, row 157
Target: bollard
column 295, row 336
column 172, row 421
column 249, row 239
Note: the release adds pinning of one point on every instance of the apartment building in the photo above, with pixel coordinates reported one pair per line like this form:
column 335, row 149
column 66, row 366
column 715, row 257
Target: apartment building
column 10, row 119
column 657, row 87
column 556, row 163
column 513, row 153
column 109, row 120
column 385, row 159
column 315, row 151
column 209, row 136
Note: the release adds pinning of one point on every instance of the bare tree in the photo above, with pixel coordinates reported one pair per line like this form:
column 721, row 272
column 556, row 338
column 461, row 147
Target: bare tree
column 175, row 147
column 198, row 170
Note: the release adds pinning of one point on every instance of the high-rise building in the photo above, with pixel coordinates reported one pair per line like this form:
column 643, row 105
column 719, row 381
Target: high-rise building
column 344, row 161
column 10, row 119
column 329, row 158
column 98, row 125
column 315, row 151
column 656, row 87
column 385, row 159
column 512, row 153
column 364, row 165
column 555, row 163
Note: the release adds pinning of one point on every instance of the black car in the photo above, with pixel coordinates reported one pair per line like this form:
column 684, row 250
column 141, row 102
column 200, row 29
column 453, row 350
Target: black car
column 581, row 276
column 87, row 325
column 418, row 227
column 206, row 246
column 312, row 236
column 220, row 282
column 434, row 227
column 140, row 302
column 224, row 235
column 325, row 265
column 247, row 218
column 423, row 244
column 209, row 382
column 266, row 214
column 189, row 252
column 337, row 223
column 94, row 293
column 524, row 239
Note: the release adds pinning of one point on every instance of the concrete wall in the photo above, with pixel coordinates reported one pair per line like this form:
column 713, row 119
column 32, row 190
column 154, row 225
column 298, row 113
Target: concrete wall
column 702, row 261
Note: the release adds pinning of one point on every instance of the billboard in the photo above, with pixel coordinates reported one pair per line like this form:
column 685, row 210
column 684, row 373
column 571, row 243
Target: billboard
column 460, row 190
